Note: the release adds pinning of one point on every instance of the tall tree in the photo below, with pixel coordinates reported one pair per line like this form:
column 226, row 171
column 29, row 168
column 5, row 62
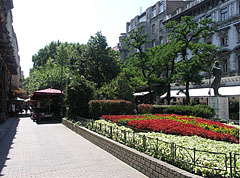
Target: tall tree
column 195, row 56
column 142, row 61
column 49, row 51
column 100, row 63
column 166, row 54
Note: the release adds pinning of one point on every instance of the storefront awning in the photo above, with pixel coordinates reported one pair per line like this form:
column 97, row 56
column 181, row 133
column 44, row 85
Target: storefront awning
column 141, row 93
column 205, row 92
column 45, row 93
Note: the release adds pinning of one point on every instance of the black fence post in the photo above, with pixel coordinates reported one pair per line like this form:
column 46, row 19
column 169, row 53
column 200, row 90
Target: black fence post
column 92, row 125
column 100, row 127
column 230, row 157
column 173, row 151
column 156, row 148
column 144, row 142
column 111, row 132
column 133, row 140
column 125, row 136
column 194, row 156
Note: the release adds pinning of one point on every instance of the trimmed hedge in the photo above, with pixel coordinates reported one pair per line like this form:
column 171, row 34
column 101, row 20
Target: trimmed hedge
column 145, row 108
column 97, row 108
column 203, row 111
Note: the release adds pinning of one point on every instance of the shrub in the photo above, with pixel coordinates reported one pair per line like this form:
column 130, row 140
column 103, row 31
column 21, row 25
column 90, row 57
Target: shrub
column 204, row 111
column 79, row 92
column 197, row 110
column 145, row 108
column 98, row 108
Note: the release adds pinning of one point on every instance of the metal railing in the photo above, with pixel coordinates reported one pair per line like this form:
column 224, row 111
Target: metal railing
column 169, row 152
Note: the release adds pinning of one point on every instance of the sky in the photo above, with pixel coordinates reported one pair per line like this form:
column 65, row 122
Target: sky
column 39, row 22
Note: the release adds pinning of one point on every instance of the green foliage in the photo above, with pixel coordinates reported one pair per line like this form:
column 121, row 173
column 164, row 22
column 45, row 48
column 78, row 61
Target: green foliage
column 44, row 54
column 197, row 110
column 99, row 63
column 119, row 88
column 195, row 56
column 98, row 108
column 46, row 77
column 79, row 92
column 145, row 108
column 142, row 65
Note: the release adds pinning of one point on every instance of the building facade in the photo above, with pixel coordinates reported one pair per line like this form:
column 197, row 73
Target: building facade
column 10, row 70
column 226, row 14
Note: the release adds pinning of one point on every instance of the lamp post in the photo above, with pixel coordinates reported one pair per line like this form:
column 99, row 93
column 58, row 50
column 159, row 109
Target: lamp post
column 61, row 83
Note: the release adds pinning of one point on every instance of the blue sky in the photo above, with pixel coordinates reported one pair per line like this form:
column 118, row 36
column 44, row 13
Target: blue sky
column 38, row 22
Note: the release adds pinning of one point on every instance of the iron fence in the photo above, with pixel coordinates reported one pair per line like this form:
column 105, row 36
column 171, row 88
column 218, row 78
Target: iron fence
column 166, row 151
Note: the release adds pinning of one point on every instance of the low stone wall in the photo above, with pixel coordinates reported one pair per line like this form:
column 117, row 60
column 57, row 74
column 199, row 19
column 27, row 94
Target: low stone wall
column 145, row 164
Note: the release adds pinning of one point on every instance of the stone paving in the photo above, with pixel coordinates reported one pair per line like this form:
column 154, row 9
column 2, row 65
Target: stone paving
column 48, row 150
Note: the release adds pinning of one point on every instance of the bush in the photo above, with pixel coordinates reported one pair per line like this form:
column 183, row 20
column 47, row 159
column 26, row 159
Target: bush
column 145, row 108
column 98, row 108
column 79, row 92
column 197, row 110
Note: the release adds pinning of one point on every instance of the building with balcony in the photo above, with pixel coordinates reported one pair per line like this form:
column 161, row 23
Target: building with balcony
column 10, row 70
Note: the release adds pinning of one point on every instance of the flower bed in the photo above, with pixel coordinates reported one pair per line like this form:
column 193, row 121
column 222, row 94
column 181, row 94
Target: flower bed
column 179, row 125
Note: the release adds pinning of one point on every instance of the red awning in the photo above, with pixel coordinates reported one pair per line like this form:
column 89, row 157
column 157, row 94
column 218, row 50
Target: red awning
column 46, row 92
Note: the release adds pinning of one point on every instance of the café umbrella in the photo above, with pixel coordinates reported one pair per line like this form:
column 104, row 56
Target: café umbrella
column 46, row 93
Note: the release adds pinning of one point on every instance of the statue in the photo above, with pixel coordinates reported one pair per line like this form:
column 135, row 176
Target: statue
column 216, row 71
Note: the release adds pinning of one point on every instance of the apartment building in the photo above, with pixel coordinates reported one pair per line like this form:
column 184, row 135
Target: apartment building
column 151, row 21
column 226, row 14
column 10, row 70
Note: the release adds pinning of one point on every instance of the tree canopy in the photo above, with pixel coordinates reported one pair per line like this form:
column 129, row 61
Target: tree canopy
column 195, row 55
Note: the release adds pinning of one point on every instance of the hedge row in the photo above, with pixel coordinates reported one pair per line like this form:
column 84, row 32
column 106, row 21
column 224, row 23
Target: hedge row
column 197, row 110
column 97, row 108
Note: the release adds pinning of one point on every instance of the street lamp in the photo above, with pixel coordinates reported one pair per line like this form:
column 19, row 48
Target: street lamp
column 61, row 83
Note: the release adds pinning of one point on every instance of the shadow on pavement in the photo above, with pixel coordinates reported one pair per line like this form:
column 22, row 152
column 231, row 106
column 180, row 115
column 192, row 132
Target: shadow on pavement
column 49, row 121
column 8, row 130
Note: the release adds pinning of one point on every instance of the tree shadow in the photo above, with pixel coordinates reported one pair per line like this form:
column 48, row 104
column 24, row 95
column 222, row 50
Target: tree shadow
column 49, row 121
column 9, row 130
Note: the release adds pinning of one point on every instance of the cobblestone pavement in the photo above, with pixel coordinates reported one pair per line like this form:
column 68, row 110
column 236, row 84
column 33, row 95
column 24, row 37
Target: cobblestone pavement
column 51, row 150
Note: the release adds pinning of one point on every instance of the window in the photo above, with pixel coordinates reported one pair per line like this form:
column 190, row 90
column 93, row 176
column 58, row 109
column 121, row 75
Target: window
column 153, row 28
column 238, row 31
column 224, row 41
column 160, row 8
column 128, row 27
column 153, row 43
column 223, row 38
column 160, row 24
column 154, row 12
column 143, row 30
column 224, row 68
column 143, row 47
column 142, row 18
column 160, row 40
column 238, row 56
column 224, row 56
column 224, row 14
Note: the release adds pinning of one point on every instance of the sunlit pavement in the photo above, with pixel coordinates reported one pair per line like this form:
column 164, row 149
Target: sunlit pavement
column 28, row 149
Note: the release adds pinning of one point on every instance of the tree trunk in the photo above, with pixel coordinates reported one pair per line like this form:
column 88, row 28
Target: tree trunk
column 187, row 93
column 168, row 94
column 150, row 93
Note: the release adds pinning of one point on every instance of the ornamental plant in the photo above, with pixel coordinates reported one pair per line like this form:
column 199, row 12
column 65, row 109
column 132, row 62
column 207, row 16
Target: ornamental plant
column 179, row 125
column 145, row 108
column 98, row 108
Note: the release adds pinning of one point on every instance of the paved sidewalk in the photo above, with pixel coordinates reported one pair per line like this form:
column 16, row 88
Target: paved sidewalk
column 52, row 150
